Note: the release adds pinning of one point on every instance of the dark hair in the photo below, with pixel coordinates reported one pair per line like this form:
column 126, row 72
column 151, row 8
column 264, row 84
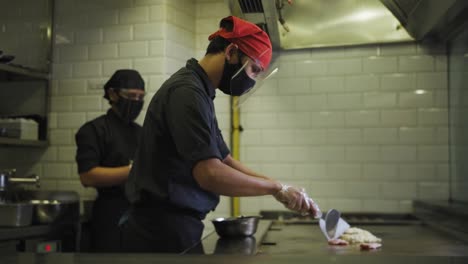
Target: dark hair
column 219, row 44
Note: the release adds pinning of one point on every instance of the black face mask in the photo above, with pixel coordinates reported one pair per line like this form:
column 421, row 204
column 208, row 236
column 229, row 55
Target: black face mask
column 238, row 85
column 128, row 109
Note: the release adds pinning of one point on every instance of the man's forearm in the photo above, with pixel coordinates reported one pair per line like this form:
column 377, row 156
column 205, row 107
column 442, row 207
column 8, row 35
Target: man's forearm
column 235, row 164
column 104, row 176
column 215, row 176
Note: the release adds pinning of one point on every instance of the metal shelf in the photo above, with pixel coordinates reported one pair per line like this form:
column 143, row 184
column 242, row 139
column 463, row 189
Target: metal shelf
column 23, row 142
column 24, row 71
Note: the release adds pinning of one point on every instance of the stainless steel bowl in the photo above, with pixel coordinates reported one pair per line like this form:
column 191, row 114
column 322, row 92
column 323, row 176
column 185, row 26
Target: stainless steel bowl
column 239, row 245
column 53, row 211
column 15, row 214
column 55, row 207
column 242, row 226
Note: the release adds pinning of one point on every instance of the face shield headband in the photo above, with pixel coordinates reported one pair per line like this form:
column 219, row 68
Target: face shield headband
column 248, row 79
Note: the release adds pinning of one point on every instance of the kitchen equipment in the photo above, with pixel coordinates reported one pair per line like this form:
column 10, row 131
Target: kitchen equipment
column 46, row 212
column 242, row 226
column 21, row 208
column 15, row 214
column 8, row 176
column 5, row 58
column 332, row 225
column 331, row 221
column 21, row 128
column 54, row 206
column 9, row 132
column 401, row 236
column 239, row 246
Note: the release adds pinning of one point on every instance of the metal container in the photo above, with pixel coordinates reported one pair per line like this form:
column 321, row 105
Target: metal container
column 15, row 214
column 55, row 207
column 239, row 246
column 53, row 211
column 242, row 226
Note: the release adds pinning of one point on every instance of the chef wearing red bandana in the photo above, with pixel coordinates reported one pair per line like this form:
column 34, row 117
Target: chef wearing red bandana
column 182, row 164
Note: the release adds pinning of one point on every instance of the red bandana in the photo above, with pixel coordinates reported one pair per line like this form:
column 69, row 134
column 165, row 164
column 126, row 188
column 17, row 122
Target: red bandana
column 250, row 39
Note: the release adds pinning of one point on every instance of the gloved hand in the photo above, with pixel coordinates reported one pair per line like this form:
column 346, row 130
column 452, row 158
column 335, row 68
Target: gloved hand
column 294, row 198
column 314, row 209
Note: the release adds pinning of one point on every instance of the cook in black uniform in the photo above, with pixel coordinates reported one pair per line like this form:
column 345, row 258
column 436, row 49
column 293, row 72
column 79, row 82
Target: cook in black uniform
column 182, row 164
column 105, row 150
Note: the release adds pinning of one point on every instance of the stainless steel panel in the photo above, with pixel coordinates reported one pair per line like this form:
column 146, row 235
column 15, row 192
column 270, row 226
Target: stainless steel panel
column 339, row 23
column 16, row 214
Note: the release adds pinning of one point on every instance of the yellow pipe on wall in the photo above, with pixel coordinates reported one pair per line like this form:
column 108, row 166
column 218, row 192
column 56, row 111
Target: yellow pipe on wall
column 235, row 139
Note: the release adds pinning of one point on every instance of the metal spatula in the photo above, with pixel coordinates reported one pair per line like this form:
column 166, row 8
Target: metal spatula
column 331, row 222
column 332, row 225
column 331, row 219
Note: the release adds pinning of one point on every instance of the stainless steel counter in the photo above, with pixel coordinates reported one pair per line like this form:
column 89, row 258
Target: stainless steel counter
column 411, row 240
column 293, row 242
column 26, row 238
column 9, row 233
column 26, row 258
column 213, row 244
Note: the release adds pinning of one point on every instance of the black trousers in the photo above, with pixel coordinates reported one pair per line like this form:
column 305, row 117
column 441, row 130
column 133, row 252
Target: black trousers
column 105, row 231
column 161, row 230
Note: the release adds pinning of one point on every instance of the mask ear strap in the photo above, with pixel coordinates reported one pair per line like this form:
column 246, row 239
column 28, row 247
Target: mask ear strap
column 112, row 94
column 232, row 48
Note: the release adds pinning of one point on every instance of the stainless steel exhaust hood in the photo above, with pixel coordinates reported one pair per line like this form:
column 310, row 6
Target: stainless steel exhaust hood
column 298, row 24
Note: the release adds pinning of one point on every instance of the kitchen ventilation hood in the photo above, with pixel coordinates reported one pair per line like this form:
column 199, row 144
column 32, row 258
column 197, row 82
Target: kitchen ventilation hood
column 298, row 24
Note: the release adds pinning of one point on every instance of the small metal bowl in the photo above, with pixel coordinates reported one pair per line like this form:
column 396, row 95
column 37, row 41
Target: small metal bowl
column 54, row 211
column 242, row 226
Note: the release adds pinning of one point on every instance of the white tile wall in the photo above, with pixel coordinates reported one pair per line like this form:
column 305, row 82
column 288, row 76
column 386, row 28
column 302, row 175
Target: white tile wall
column 103, row 51
column 344, row 123
column 89, row 36
column 118, row 34
column 375, row 144
column 90, row 46
column 376, row 64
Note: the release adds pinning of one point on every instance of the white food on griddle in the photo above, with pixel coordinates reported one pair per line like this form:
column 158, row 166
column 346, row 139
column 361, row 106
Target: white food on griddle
column 356, row 235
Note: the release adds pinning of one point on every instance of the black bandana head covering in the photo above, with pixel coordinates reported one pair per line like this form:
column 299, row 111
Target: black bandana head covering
column 124, row 79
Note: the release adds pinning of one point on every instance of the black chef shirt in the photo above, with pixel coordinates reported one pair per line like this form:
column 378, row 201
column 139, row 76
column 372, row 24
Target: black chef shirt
column 106, row 141
column 180, row 129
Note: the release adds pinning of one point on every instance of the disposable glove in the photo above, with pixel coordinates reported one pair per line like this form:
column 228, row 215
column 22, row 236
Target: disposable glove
column 314, row 209
column 293, row 198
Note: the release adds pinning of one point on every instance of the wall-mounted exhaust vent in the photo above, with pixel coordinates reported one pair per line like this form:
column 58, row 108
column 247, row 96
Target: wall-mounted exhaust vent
column 430, row 19
column 260, row 12
column 251, row 6
column 297, row 24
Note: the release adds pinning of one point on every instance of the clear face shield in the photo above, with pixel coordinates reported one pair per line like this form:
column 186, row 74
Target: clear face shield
column 248, row 79
column 132, row 94
column 129, row 103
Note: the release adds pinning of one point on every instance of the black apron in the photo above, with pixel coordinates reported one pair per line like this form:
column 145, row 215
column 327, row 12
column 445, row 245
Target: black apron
column 105, row 231
column 106, row 141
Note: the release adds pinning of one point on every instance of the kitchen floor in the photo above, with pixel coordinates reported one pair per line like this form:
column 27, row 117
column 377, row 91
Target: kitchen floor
column 411, row 240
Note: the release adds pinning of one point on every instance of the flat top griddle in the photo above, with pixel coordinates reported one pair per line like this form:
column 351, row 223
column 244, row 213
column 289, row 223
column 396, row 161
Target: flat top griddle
column 411, row 240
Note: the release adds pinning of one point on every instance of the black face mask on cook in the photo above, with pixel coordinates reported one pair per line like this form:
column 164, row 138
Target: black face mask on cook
column 128, row 109
column 237, row 85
